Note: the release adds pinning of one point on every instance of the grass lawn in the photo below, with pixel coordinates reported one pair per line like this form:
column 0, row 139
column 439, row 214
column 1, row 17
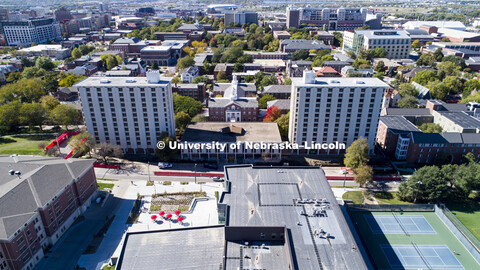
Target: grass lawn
column 106, row 267
column 385, row 197
column 468, row 212
column 355, row 196
column 24, row 145
column 103, row 186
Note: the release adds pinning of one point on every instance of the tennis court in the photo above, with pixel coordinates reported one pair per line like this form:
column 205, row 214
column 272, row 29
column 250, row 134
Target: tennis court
column 399, row 224
column 410, row 240
column 420, row 257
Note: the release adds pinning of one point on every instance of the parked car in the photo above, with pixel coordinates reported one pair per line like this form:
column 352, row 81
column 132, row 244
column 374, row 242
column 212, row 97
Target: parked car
column 217, row 179
column 163, row 165
column 210, row 165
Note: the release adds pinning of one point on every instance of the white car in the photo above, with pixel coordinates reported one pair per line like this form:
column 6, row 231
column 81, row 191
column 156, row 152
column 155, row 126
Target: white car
column 217, row 179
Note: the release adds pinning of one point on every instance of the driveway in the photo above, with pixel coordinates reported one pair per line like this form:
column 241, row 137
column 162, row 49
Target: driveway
column 66, row 252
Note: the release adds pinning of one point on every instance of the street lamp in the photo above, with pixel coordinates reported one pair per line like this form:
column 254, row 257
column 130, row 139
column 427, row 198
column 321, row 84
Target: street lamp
column 195, row 173
column 345, row 172
column 416, row 194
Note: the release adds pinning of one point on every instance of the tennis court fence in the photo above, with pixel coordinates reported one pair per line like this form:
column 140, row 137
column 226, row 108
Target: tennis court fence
column 471, row 243
column 391, row 207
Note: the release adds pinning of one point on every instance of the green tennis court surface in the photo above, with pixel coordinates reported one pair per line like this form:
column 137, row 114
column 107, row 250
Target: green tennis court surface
column 411, row 240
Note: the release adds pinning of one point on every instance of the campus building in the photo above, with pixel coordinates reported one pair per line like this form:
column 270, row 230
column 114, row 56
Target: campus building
column 329, row 110
column 237, row 104
column 329, row 18
column 26, row 32
column 40, row 198
column 398, row 134
column 244, row 134
column 126, row 111
column 270, row 218
column 240, row 17
column 395, row 42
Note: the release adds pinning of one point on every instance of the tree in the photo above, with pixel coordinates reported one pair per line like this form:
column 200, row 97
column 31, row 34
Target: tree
column 110, row 61
column 199, row 118
column 364, row 175
column 407, row 89
column 221, row 76
column 424, row 77
column 287, row 81
column 438, row 54
column 338, row 39
column 32, row 114
column 426, row 60
column 361, row 63
column 447, row 69
column 76, row 53
column 357, row 154
column 106, row 150
column 469, row 157
column 408, row 102
column 453, row 84
column 25, row 90
column 9, row 118
column 300, row 55
column 427, row 184
column 430, row 128
column 469, row 86
column 438, row 89
column 49, row 103
column 283, row 122
column 65, row 115
column 186, row 104
column 70, row 80
column 166, row 153
column 416, row 44
column 200, row 79
column 176, row 80
column 85, row 49
column 181, row 121
column 268, row 80
column 466, row 179
column 380, row 67
column 458, row 61
column 83, row 143
column 33, row 72
column 44, row 63
column 185, row 62
column 445, row 39
column 51, row 82
column 262, row 102
column 273, row 113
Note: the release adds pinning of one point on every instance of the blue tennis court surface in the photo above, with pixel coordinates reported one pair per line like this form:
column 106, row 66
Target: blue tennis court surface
column 399, row 224
column 420, row 257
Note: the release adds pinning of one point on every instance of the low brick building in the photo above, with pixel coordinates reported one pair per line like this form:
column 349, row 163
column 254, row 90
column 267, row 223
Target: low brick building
column 40, row 199
column 234, row 106
column 193, row 90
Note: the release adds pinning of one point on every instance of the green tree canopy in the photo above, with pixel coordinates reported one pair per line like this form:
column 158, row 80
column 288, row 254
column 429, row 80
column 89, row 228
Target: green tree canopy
column 425, row 76
column 300, row 55
column 25, row 90
column 32, row 114
column 262, row 102
column 430, row 128
column 427, row 184
column 70, row 80
column 407, row 89
column 364, row 175
column 181, row 121
column 9, row 116
column 65, row 115
column 186, row 104
column 44, row 63
column 408, row 102
column 185, row 62
column 283, row 122
column 357, row 154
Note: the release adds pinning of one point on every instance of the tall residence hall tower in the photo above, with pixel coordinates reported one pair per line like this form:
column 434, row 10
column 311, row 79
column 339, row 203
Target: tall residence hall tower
column 329, row 110
column 128, row 111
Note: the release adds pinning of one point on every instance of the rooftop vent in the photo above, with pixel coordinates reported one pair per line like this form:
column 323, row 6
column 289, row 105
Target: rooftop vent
column 334, row 81
column 359, row 82
column 104, row 81
column 130, row 81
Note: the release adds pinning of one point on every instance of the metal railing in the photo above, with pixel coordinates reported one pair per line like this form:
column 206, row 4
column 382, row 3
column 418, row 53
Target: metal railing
column 459, row 225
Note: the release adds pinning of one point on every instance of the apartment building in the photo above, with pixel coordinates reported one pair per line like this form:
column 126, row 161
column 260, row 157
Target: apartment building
column 329, row 110
column 330, row 18
column 240, row 17
column 25, row 32
column 40, row 199
column 397, row 43
column 126, row 111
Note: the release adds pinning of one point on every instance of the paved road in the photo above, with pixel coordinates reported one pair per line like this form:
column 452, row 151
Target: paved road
column 66, row 252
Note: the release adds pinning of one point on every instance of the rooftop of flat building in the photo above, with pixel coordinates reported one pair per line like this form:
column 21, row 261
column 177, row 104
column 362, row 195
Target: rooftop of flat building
column 300, row 199
column 121, row 82
column 398, row 124
column 341, row 82
column 221, row 132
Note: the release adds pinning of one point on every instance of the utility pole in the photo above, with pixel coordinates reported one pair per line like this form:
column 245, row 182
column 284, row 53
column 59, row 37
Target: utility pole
column 195, row 173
